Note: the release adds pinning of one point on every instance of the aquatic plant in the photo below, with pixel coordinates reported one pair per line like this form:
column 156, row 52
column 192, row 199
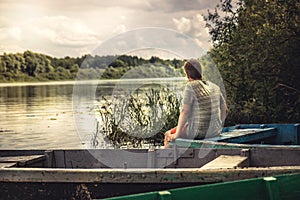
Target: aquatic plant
column 138, row 118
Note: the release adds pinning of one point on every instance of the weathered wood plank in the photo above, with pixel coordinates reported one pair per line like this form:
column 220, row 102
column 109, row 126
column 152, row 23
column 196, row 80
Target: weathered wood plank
column 193, row 175
column 22, row 160
column 4, row 165
column 19, row 152
column 227, row 162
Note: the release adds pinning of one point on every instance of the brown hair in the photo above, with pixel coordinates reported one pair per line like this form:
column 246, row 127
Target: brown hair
column 193, row 69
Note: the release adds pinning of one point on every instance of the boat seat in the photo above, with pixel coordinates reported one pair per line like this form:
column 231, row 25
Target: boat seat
column 13, row 161
column 227, row 162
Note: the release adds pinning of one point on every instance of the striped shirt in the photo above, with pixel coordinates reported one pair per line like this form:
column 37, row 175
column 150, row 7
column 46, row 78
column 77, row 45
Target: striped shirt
column 205, row 100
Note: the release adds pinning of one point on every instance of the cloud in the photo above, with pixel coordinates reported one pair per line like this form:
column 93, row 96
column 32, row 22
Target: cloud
column 4, row 22
column 144, row 40
column 88, row 5
column 11, row 48
column 195, row 28
column 64, row 31
column 72, row 26
column 120, row 29
column 183, row 24
column 10, row 33
column 181, row 5
column 55, row 35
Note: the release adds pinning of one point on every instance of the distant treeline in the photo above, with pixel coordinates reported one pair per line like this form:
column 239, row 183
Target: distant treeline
column 30, row 66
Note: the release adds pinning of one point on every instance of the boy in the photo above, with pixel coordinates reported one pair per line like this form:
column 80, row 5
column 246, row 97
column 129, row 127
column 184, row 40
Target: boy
column 204, row 109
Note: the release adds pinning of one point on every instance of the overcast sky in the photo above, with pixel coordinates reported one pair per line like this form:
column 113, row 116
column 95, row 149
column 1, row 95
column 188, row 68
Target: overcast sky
column 76, row 27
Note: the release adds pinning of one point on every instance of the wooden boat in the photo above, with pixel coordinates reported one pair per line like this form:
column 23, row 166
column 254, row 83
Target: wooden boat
column 249, row 136
column 61, row 174
column 278, row 187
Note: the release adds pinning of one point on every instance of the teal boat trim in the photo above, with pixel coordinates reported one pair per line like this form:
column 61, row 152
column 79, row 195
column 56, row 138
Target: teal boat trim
column 249, row 136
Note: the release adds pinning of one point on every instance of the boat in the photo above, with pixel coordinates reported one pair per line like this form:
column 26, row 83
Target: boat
column 274, row 187
column 249, row 136
column 103, row 173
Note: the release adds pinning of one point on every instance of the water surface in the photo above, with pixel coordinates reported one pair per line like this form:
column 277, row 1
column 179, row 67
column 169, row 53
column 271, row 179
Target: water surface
column 41, row 115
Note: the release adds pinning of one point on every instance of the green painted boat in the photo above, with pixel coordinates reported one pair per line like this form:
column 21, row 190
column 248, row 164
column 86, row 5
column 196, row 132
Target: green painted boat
column 268, row 188
column 249, row 136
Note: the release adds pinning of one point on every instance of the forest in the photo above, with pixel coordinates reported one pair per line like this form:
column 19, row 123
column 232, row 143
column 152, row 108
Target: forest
column 31, row 66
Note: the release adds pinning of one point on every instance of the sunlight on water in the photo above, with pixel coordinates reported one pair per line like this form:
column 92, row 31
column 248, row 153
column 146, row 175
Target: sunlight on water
column 41, row 116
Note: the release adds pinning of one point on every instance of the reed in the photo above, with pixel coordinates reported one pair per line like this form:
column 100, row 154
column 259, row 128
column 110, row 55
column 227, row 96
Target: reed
column 137, row 119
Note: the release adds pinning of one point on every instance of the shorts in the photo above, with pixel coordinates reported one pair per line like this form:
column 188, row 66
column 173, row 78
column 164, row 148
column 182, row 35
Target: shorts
column 173, row 130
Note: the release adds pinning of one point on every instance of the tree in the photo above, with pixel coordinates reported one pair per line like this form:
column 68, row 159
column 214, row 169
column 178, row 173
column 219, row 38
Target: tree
column 154, row 59
column 257, row 50
column 117, row 63
column 31, row 66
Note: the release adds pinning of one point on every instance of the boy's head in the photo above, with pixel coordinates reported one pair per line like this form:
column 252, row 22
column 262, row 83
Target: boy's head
column 193, row 69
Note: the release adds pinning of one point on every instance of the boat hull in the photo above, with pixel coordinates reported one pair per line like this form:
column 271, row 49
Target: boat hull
column 278, row 187
column 46, row 174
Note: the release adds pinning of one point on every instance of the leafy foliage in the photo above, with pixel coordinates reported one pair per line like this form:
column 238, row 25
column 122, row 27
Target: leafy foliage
column 257, row 50
column 30, row 66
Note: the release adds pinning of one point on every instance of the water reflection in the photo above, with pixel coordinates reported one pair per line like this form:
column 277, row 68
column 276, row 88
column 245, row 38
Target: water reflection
column 41, row 116
column 37, row 117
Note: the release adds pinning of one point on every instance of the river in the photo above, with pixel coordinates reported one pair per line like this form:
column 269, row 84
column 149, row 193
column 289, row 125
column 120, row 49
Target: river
column 41, row 115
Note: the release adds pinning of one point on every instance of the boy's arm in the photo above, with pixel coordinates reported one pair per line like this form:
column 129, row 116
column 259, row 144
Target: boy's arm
column 184, row 113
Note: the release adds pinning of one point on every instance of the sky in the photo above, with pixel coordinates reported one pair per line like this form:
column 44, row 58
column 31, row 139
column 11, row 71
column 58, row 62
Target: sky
column 76, row 27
